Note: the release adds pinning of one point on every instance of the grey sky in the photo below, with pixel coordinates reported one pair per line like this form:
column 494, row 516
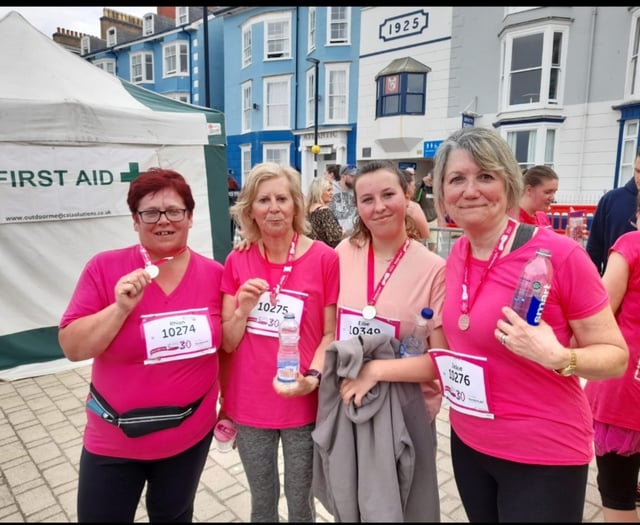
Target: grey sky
column 82, row 19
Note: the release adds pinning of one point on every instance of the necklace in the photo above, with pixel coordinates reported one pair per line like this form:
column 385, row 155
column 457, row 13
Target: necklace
column 464, row 321
column 286, row 269
column 369, row 311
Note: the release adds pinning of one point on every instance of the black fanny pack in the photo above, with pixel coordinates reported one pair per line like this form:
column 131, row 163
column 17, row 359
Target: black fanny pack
column 140, row 421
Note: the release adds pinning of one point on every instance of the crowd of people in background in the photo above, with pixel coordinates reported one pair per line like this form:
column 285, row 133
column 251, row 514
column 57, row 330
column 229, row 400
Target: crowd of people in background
column 353, row 259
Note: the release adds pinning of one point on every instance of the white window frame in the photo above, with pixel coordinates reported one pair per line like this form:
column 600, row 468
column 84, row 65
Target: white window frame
column 245, row 162
column 247, row 47
column 278, row 152
column 632, row 83
column 313, row 29
column 339, row 26
column 336, row 93
column 182, row 15
column 175, row 58
column 277, row 37
column 311, row 96
column 509, row 10
column 85, row 45
column 112, row 36
column 541, row 143
column 628, row 149
column 148, row 24
column 544, row 100
column 246, row 94
column 277, row 102
column 106, row 64
column 182, row 96
column 143, row 60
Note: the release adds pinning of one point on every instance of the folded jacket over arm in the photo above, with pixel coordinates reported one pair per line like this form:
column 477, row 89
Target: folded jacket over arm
column 377, row 462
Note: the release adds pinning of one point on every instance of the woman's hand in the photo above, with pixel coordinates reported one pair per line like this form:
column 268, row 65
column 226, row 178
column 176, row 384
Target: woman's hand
column 249, row 294
column 356, row 389
column 243, row 245
column 129, row 289
column 536, row 343
column 302, row 386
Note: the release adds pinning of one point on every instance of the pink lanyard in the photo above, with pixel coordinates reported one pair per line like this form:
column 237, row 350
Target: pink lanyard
column 465, row 304
column 152, row 267
column 372, row 295
column 286, row 270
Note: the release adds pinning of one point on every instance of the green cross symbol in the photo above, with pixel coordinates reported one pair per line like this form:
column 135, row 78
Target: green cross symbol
column 128, row 176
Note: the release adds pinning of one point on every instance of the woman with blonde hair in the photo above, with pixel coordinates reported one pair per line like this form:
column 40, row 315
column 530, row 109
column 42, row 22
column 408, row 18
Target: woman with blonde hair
column 281, row 270
column 324, row 225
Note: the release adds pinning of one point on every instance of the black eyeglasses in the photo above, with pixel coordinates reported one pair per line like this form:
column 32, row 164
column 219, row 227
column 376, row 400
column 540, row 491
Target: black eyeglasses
column 153, row 216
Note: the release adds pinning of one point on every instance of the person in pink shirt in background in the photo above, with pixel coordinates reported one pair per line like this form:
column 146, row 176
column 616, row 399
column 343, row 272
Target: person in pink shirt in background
column 521, row 425
column 538, row 194
column 277, row 268
column 616, row 402
column 150, row 317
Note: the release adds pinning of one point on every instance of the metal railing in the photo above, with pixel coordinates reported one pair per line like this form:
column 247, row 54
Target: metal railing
column 446, row 237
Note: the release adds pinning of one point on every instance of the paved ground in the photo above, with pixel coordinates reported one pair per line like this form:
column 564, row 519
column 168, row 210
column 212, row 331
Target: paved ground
column 41, row 423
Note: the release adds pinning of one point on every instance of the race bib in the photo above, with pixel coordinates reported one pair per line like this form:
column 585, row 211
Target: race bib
column 463, row 380
column 265, row 317
column 170, row 336
column 351, row 323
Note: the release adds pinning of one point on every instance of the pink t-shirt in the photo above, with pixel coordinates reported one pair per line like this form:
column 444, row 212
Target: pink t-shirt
column 540, row 417
column 540, row 218
column 616, row 401
column 249, row 398
column 119, row 373
column 417, row 282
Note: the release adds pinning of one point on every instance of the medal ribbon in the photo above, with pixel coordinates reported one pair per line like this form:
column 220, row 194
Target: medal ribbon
column 147, row 259
column 286, row 270
column 372, row 296
column 465, row 305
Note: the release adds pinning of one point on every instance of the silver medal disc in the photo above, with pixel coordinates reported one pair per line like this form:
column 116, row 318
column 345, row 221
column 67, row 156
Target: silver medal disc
column 369, row 312
column 152, row 270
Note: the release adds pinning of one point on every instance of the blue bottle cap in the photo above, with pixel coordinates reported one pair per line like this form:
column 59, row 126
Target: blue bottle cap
column 427, row 313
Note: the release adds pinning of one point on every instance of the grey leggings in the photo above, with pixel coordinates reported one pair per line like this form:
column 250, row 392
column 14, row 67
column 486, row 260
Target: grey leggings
column 258, row 449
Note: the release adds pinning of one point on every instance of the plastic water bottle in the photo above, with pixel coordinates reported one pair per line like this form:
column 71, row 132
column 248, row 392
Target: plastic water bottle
column 575, row 224
column 416, row 343
column 288, row 353
column 533, row 287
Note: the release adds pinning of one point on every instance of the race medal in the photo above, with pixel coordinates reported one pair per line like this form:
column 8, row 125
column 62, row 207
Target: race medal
column 463, row 322
column 152, row 270
column 273, row 298
column 369, row 312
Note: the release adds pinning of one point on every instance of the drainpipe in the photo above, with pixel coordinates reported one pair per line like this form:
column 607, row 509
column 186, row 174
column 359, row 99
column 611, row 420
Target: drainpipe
column 205, row 29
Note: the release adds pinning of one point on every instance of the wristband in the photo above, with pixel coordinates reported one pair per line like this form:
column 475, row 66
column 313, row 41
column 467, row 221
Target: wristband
column 313, row 373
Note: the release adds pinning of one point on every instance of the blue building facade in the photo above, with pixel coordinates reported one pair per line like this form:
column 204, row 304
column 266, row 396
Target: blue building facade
column 272, row 56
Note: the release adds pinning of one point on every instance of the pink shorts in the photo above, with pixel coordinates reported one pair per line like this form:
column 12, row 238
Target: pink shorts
column 610, row 438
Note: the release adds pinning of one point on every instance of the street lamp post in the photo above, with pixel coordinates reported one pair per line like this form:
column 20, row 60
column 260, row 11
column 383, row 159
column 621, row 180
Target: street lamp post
column 315, row 149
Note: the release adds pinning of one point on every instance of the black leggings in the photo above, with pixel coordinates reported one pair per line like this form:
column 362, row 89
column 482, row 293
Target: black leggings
column 109, row 488
column 618, row 480
column 496, row 490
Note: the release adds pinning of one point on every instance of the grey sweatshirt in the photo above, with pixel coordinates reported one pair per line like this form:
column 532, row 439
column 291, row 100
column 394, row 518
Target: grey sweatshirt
column 377, row 462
